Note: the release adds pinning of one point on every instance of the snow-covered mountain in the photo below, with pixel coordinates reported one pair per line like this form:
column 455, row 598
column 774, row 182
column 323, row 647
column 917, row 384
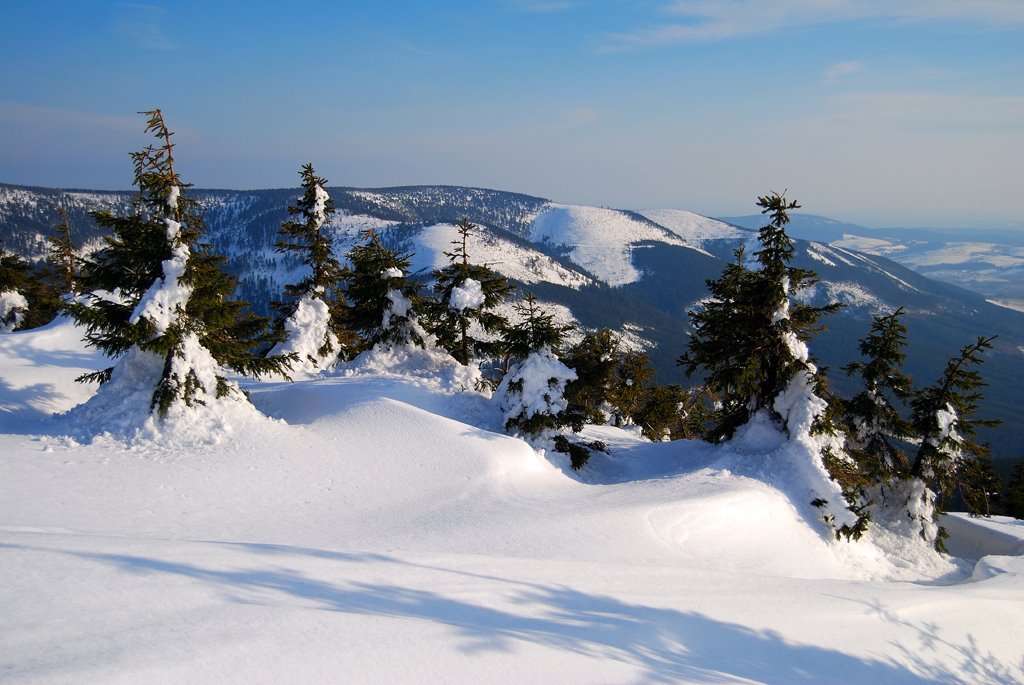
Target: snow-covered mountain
column 371, row 526
column 988, row 261
column 639, row 271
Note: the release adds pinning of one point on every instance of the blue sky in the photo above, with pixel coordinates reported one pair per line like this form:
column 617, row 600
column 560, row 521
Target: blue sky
column 882, row 112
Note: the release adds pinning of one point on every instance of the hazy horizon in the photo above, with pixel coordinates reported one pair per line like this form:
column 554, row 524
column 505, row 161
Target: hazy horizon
column 876, row 113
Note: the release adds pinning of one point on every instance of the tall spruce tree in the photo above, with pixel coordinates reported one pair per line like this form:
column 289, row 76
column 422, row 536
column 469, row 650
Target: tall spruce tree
column 155, row 289
column 383, row 300
column 464, row 317
column 744, row 337
column 311, row 318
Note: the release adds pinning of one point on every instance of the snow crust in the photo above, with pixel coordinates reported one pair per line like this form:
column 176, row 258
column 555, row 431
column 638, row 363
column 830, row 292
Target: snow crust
column 377, row 526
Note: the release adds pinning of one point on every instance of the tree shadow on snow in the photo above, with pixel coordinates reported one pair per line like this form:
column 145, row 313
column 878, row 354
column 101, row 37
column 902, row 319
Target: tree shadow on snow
column 667, row 645
column 20, row 412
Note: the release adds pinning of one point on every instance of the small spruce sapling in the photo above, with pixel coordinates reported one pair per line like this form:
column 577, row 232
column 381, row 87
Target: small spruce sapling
column 464, row 318
column 383, row 300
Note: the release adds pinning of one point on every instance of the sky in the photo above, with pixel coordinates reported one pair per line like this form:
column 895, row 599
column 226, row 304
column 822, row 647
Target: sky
column 879, row 112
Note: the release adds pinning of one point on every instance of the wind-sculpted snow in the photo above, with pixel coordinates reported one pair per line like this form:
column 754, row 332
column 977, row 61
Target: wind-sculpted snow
column 375, row 526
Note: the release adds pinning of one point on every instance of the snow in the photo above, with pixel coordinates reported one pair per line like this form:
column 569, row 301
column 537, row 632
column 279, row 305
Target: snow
column 509, row 259
column 694, row 228
column 375, row 525
column 542, row 379
column 12, row 310
column 167, row 296
column 599, row 240
column 468, row 295
column 307, row 329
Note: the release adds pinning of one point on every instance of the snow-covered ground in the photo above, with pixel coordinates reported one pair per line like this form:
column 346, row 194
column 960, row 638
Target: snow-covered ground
column 377, row 528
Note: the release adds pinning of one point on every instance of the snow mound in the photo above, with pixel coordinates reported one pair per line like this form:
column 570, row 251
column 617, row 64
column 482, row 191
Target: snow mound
column 122, row 408
column 306, row 329
column 431, row 366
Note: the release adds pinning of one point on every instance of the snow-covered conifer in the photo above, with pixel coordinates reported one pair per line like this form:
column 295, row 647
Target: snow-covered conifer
column 158, row 300
column 943, row 423
column 312, row 317
column 750, row 341
column 14, row 272
column 383, row 301
column 464, row 318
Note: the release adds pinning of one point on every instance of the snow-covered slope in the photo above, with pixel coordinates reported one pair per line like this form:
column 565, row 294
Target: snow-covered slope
column 599, row 240
column 379, row 530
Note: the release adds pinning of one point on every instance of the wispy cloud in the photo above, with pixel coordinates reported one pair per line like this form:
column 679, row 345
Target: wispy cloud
column 542, row 7
column 841, row 71
column 144, row 26
column 712, row 20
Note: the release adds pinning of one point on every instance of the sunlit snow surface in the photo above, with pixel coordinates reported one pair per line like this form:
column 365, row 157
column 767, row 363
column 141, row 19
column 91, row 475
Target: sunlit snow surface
column 378, row 529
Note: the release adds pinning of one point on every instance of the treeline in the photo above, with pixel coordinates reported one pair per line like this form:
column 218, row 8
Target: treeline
column 157, row 290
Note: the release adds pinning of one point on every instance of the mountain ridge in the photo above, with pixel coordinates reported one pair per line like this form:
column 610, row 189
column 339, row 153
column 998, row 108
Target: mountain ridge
column 611, row 268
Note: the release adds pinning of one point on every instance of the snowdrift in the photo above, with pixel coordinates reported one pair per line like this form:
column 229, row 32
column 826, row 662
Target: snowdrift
column 375, row 526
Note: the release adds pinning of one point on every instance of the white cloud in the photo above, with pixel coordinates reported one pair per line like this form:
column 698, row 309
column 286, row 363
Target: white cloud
column 841, row 71
column 710, row 20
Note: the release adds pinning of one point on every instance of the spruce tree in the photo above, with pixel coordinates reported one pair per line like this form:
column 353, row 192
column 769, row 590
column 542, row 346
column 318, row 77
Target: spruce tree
column 464, row 318
column 746, row 338
column 156, row 291
column 531, row 395
column 943, row 424
column 876, row 430
column 383, row 301
column 14, row 275
column 595, row 359
column 311, row 319
column 64, row 257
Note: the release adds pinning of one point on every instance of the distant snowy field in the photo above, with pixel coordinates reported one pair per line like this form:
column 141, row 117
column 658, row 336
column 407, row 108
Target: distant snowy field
column 377, row 528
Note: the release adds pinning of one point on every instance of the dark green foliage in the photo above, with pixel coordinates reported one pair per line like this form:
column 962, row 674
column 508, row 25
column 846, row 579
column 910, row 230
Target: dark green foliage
column 383, row 301
column 468, row 333
column 306, row 238
column 742, row 336
column 535, row 329
column 595, row 360
column 673, row 412
column 876, row 430
column 21, row 276
column 942, row 420
column 978, row 485
column 1013, row 501
column 166, row 224
column 630, row 383
column 579, row 452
